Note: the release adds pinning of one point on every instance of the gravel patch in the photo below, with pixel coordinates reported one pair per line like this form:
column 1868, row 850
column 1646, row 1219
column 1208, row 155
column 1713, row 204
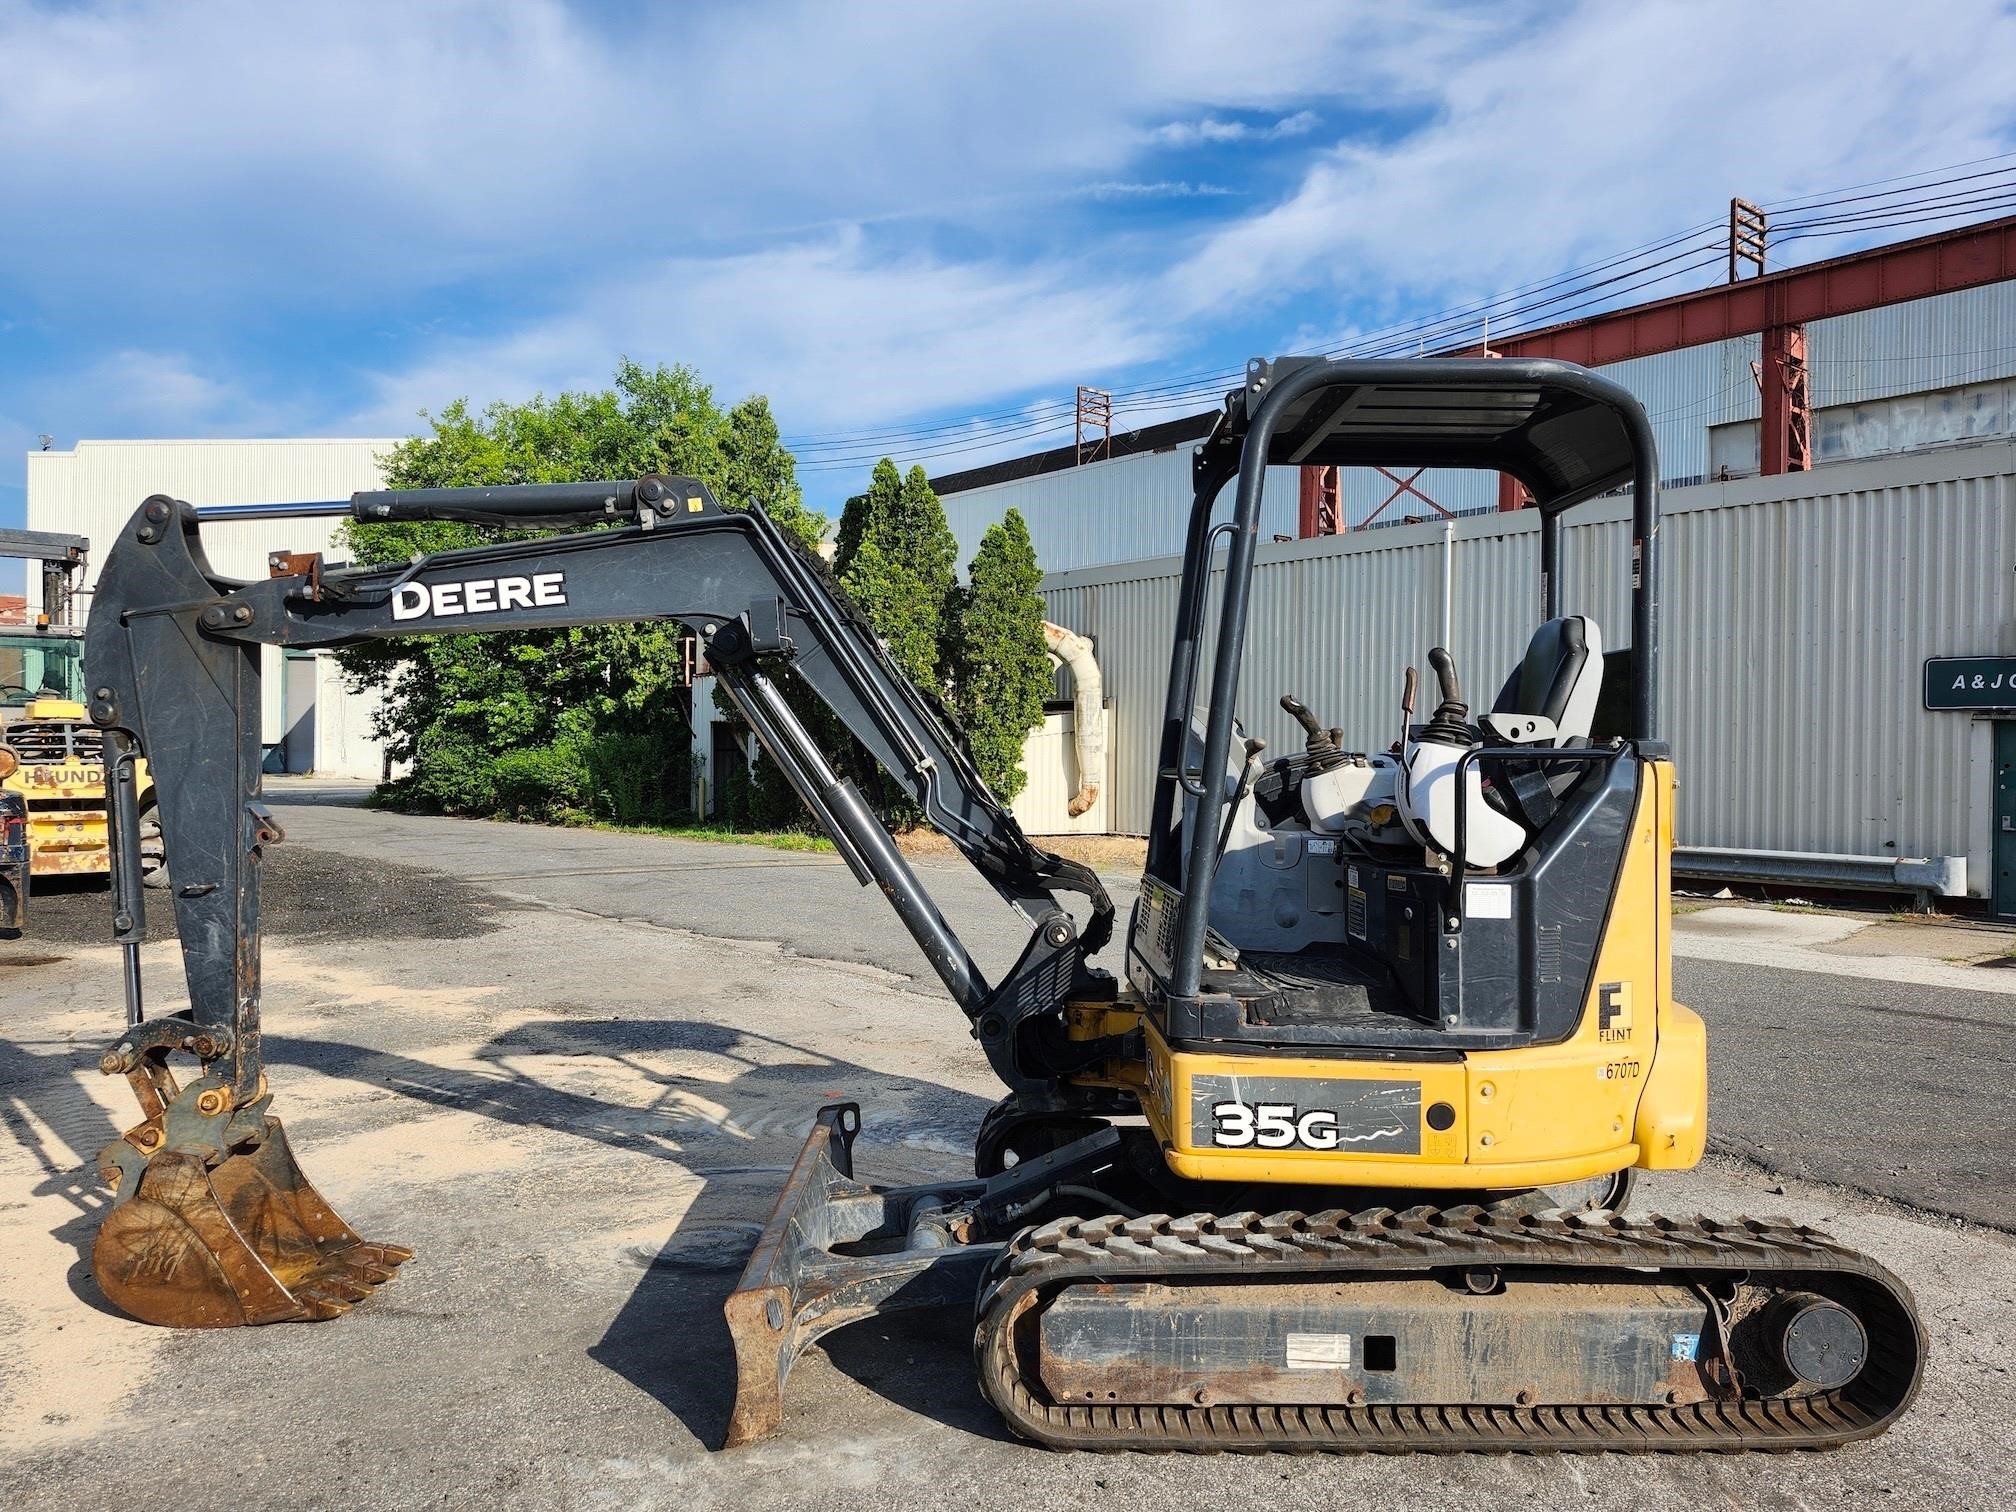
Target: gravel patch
column 307, row 894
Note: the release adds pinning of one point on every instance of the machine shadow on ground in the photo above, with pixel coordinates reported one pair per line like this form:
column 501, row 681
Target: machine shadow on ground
column 42, row 1092
column 739, row 1136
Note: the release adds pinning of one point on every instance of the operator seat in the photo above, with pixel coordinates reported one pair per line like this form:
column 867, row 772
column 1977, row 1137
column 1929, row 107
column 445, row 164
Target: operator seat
column 1549, row 701
column 1559, row 680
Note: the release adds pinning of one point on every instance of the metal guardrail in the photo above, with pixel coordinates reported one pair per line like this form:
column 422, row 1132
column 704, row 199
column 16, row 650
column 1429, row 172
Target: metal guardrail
column 1925, row 877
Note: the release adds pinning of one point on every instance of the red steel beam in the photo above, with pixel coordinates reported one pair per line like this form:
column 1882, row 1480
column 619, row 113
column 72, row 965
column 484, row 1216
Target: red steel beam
column 1785, row 427
column 1321, row 505
column 1961, row 259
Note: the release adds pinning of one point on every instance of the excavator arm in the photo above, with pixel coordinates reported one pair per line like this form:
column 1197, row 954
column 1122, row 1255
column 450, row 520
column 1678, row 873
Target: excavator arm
column 173, row 665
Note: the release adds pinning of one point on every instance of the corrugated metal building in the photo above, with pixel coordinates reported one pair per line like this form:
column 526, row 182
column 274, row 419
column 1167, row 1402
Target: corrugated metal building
column 312, row 722
column 1799, row 610
column 1923, row 373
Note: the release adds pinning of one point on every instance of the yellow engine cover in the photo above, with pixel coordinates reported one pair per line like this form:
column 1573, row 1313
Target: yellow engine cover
column 1630, row 1087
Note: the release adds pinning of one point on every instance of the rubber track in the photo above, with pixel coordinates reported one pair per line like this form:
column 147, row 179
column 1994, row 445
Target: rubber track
column 1327, row 1246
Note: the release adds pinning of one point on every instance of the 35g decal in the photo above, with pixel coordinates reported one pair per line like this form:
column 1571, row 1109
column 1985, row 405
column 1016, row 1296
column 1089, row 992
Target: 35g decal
column 1272, row 1126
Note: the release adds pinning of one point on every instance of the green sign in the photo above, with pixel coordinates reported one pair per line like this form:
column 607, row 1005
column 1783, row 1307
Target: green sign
column 1970, row 682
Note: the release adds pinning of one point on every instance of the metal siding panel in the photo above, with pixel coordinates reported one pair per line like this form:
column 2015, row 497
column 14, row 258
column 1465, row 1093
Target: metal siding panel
column 1964, row 337
column 1686, row 392
column 1049, row 758
column 1800, row 628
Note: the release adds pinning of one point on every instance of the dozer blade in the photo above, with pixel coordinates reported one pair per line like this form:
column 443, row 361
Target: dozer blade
column 838, row 1250
column 245, row 1240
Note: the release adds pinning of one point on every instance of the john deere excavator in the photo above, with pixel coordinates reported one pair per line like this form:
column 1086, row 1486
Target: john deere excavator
column 1339, row 1160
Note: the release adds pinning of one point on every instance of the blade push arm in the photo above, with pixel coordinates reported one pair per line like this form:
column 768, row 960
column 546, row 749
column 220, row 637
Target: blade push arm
column 173, row 660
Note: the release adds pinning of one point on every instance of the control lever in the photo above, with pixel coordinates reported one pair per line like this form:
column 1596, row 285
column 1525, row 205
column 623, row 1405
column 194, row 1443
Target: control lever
column 1248, row 775
column 1318, row 741
column 1445, row 674
column 1450, row 722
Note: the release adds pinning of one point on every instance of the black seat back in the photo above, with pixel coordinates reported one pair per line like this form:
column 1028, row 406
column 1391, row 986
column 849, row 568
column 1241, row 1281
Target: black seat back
column 1547, row 675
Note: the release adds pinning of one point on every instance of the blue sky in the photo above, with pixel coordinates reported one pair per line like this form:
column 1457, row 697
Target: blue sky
column 237, row 218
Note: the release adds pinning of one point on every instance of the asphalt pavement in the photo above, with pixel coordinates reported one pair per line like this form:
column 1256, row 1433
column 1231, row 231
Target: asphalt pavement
column 570, row 1070
column 1827, row 1074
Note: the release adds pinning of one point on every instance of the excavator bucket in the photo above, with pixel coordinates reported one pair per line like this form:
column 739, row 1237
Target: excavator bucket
column 206, row 1242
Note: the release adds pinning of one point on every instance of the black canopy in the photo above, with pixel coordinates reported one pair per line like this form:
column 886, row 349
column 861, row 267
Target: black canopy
column 1559, row 429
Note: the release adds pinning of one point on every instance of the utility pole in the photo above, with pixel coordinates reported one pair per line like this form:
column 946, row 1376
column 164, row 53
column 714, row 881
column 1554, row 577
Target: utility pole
column 1785, row 426
column 1093, row 426
column 1747, row 225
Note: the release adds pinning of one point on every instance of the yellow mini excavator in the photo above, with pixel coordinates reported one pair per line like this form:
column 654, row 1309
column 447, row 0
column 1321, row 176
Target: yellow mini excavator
column 1337, row 1158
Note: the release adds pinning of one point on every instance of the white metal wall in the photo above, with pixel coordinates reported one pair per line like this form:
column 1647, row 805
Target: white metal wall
column 344, row 743
column 93, row 490
column 1874, row 427
column 1798, row 613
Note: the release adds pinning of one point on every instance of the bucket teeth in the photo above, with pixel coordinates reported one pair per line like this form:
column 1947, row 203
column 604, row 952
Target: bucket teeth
column 383, row 1254
column 336, row 1287
column 322, row 1301
column 246, row 1239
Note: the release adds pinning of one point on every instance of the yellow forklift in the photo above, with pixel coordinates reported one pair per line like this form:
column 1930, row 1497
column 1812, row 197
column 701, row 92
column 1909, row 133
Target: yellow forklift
column 50, row 753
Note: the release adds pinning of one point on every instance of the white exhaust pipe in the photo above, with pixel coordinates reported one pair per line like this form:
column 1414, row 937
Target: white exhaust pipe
column 1088, row 711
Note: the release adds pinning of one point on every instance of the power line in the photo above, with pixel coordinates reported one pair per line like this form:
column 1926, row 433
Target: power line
column 1212, row 384
column 1035, row 428
column 1914, row 202
column 1931, row 205
column 1843, row 196
column 1913, row 220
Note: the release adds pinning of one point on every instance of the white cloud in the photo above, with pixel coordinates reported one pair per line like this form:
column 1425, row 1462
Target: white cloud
column 870, row 211
column 159, row 390
column 1212, row 130
column 832, row 331
column 1615, row 125
column 226, row 149
column 515, row 191
column 133, row 391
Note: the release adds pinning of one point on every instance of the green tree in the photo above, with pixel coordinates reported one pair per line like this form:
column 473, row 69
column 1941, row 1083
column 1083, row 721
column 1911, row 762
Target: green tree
column 854, row 517
column 901, row 570
column 758, row 473
column 1004, row 665
column 539, row 723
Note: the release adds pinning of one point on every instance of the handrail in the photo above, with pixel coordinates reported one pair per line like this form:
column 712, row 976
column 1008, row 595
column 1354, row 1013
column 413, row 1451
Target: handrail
column 1194, row 786
column 1538, row 755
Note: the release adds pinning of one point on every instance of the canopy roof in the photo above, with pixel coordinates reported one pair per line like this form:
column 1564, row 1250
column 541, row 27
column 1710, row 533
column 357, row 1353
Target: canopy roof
column 1565, row 433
